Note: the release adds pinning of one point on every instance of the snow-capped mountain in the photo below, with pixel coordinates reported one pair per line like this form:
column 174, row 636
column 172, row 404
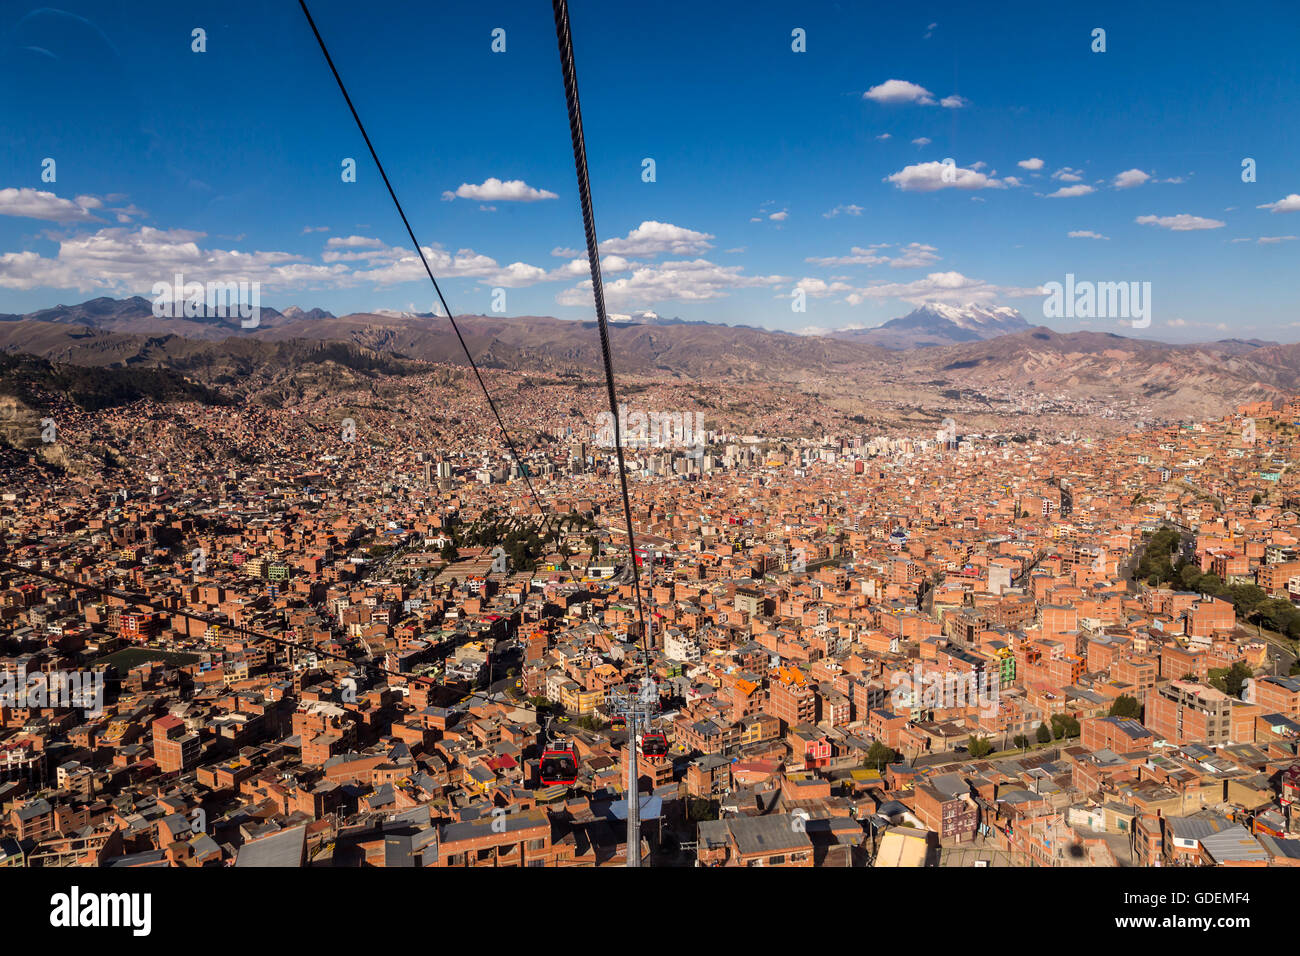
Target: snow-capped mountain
column 975, row 318
column 936, row 323
column 647, row 317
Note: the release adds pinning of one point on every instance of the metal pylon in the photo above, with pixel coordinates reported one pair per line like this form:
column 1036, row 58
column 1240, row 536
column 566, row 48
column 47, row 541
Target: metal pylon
column 637, row 706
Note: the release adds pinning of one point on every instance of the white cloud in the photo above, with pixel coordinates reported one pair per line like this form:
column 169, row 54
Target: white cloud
column 928, row 177
column 1086, row 234
column 914, row 255
column 1183, row 222
column 858, row 256
column 1290, row 204
column 653, row 238
column 36, row 204
column 124, row 214
column 899, row 91
column 911, row 256
column 950, row 287
column 687, row 281
column 819, row 288
column 353, row 242
column 1267, row 240
column 780, row 216
column 516, row 275
column 848, row 210
column 1033, row 164
column 577, row 268
column 494, row 190
column 394, row 264
column 1066, row 192
column 922, row 141
column 131, row 260
column 1068, row 175
column 125, row 261
column 884, row 136
column 1130, row 178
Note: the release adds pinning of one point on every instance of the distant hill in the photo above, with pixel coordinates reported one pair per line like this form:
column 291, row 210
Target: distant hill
column 35, row 381
column 996, row 353
column 690, row 349
column 1200, row 380
column 136, row 315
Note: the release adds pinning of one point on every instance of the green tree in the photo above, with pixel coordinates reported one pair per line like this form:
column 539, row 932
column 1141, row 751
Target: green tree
column 1246, row 598
column 1043, row 734
column 699, row 809
column 1230, row 679
column 1155, row 564
column 1058, row 727
column 1278, row 614
column 878, row 756
column 1125, row 706
column 1211, row 584
column 979, row 747
column 1021, row 741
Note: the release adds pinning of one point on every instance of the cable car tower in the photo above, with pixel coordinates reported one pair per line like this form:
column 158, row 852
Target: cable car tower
column 638, row 707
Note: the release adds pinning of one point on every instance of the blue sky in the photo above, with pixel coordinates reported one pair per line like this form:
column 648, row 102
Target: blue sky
column 775, row 170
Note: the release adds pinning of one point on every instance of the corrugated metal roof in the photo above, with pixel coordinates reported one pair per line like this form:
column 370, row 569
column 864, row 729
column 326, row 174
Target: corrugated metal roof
column 285, row 849
column 1234, row 845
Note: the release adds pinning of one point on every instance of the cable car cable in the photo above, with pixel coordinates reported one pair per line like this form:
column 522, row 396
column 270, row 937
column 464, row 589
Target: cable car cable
column 427, row 268
column 564, row 39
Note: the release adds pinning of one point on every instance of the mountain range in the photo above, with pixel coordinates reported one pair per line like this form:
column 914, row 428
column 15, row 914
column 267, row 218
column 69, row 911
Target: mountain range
column 982, row 354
